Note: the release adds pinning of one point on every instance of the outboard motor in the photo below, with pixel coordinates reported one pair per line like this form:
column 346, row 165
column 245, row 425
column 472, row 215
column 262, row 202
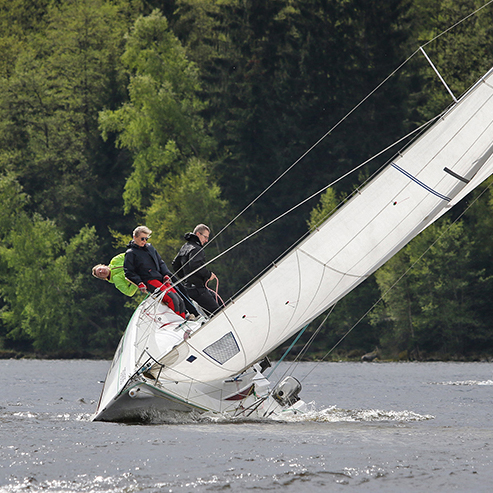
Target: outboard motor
column 286, row 393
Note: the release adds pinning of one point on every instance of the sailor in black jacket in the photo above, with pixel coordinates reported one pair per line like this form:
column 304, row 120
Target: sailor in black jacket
column 191, row 258
column 144, row 267
column 142, row 261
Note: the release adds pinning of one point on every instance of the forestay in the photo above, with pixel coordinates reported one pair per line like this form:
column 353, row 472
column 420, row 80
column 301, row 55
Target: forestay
column 406, row 197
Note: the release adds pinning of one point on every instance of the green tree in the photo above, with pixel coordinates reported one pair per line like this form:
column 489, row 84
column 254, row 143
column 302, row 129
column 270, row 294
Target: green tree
column 395, row 315
column 328, row 204
column 160, row 125
column 187, row 199
column 49, row 301
column 34, row 283
column 431, row 309
column 18, row 19
column 65, row 74
column 12, row 202
column 277, row 75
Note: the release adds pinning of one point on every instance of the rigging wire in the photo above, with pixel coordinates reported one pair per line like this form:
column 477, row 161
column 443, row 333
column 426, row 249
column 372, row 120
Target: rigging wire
column 265, row 226
column 324, row 136
column 314, row 195
column 292, row 367
column 350, row 172
column 310, row 341
column 397, row 281
column 345, row 117
column 357, row 323
column 300, row 333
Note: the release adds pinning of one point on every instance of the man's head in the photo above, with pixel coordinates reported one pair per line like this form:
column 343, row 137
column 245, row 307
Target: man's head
column 202, row 232
column 141, row 234
column 101, row 271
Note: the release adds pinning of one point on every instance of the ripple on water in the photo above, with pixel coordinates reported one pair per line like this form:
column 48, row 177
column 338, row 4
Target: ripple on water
column 227, row 480
column 82, row 483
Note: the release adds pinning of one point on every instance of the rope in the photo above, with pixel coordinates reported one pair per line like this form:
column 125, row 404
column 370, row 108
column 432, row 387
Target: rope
column 287, row 351
column 218, row 298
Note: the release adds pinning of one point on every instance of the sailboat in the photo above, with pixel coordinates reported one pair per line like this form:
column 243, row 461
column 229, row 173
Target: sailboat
column 167, row 364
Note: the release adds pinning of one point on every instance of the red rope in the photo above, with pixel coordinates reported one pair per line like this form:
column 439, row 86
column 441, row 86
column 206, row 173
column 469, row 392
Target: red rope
column 215, row 291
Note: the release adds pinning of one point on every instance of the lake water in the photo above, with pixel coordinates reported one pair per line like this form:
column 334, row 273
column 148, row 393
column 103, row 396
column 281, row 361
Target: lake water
column 374, row 427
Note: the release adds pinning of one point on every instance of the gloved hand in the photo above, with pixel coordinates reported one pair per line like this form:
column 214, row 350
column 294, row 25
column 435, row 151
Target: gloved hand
column 142, row 287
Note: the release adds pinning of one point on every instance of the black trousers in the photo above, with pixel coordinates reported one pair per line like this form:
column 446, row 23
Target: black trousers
column 188, row 304
column 204, row 298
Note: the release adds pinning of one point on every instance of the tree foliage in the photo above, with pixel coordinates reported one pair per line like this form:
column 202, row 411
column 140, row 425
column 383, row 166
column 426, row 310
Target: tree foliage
column 189, row 195
column 121, row 112
column 159, row 125
column 50, row 106
column 427, row 294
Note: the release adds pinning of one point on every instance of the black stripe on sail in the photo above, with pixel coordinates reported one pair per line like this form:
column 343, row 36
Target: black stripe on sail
column 420, row 183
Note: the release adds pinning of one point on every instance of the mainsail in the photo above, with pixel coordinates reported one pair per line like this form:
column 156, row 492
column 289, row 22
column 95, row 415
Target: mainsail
column 414, row 190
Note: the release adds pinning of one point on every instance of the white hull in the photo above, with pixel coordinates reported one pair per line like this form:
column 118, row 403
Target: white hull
column 144, row 401
column 135, row 390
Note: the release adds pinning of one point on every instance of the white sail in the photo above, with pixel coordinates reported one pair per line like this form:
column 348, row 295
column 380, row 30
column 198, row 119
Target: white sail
column 421, row 184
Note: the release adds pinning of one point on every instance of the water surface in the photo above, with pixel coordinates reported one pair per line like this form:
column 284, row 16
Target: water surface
column 373, row 427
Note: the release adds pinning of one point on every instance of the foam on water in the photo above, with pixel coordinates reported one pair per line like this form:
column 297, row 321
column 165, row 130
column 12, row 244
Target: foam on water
column 330, row 415
column 335, row 415
column 466, row 382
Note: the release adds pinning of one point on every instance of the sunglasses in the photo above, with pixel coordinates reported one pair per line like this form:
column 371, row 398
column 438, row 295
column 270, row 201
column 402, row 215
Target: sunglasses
column 144, row 238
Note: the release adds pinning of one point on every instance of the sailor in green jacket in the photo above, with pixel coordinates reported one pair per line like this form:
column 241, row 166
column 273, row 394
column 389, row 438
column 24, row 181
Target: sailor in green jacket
column 115, row 274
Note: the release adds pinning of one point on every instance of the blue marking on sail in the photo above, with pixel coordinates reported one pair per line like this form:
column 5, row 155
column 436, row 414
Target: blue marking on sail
column 420, row 183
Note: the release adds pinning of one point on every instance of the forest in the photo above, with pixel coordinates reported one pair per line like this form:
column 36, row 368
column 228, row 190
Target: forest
column 116, row 113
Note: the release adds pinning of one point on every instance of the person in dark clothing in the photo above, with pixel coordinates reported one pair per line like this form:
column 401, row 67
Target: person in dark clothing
column 144, row 267
column 191, row 258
